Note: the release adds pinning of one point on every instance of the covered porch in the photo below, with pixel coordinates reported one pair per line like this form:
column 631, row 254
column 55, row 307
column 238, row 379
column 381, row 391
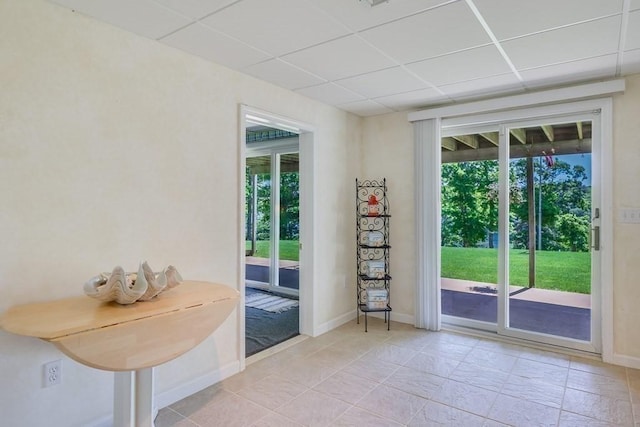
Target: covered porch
column 566, row 314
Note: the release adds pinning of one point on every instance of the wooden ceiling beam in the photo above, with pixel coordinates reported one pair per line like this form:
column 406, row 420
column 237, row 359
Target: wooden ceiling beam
column 579, row 126
column 519, row 151
column 520, row 135
column 492, row 137
column 548, row 131
column 449, row 143
column 468, row 140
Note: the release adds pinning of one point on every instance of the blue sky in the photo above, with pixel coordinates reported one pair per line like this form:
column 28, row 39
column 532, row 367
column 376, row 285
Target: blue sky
column 583, row 159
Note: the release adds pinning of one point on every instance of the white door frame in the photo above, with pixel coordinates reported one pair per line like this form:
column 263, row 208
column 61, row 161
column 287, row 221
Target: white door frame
column 500, row 109
column 251, row 116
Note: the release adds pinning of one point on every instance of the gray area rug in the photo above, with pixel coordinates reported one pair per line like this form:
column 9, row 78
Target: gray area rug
column 264, row 329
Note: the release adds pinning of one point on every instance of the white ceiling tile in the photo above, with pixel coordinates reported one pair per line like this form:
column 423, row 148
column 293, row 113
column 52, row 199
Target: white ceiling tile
column 414, row 99
column 435, row 32
column 195, row 9
column 586, row 69
column 365, row 108
column 515, row 18
column 282, row 74
column 631, row 62
column 276, row 26
column 337, row 59
column 358, row 15
column 383, row 82
column 400, row 55
column 143, row 17
column 466, row 65
column 632, row 39
column 595, row 38
column 202, row 41
column 494, row 85
column 330, row 93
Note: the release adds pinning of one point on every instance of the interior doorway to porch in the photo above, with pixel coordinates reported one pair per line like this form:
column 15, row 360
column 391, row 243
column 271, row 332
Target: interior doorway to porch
column 272, row 214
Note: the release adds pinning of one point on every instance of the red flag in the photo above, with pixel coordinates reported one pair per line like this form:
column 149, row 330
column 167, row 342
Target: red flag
column 548, row 158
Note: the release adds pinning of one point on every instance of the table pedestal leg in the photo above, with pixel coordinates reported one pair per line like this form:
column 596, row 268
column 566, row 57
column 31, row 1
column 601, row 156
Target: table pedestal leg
column 144, row 398
column 133, row 398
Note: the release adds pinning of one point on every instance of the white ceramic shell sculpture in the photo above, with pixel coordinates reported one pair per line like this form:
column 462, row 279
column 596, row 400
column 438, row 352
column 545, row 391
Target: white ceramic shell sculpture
column 128, row 288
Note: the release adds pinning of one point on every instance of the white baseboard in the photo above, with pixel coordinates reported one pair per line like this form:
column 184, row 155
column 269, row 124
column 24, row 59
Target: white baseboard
column 351, row 316
column 627, row 361
column 106, row 421
column 169, row 397
column 334, row 323
column 396, row 317
column 409, row 319
column 275, row 349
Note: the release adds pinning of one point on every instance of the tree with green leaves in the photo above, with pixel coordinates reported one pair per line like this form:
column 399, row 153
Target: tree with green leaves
column 289, row 205
column 469, row 202
column 563, row 202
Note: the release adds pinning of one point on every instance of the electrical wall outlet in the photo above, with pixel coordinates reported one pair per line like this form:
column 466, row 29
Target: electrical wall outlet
column 52, row 373
column 629, row 215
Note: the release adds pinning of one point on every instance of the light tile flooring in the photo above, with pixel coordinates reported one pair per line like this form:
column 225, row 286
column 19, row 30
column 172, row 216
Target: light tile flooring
column 412, row 377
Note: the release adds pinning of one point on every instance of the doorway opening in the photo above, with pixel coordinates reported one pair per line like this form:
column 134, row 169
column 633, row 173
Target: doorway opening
column 519, row 230
column 276, row 233
column 272, row 267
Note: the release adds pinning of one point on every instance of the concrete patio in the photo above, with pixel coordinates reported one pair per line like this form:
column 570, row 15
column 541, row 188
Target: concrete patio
column 570, row 299
column 564, row 314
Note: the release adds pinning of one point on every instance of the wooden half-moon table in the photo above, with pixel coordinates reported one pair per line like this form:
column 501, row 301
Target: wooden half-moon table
column 128, row 338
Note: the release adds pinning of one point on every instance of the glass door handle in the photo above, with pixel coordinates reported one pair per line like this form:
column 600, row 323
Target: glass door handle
column 596, row 238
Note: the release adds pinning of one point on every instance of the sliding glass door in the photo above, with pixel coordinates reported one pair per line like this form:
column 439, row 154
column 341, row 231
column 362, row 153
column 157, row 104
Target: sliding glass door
column 520, row 229
column 289, row 221
column 550, row 221
column 258, row 215
column 273, row 221
column 469, row 261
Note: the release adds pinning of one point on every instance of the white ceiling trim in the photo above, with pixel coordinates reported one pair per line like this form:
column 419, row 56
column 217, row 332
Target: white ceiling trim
column 571, row 93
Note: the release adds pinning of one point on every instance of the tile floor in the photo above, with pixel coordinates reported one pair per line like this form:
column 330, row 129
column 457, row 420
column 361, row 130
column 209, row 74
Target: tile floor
column 411, row 377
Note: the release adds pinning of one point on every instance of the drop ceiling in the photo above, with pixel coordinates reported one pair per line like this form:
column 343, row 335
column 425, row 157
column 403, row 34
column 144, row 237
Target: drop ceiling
column 399, row 55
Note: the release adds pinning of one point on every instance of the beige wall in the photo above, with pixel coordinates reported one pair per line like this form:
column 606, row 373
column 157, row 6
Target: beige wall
column 387, row 151
column 116, row 149
column 626, row 194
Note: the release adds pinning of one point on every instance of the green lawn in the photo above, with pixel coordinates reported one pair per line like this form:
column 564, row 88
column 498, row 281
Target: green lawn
column 288, row 249
column 564, row 271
